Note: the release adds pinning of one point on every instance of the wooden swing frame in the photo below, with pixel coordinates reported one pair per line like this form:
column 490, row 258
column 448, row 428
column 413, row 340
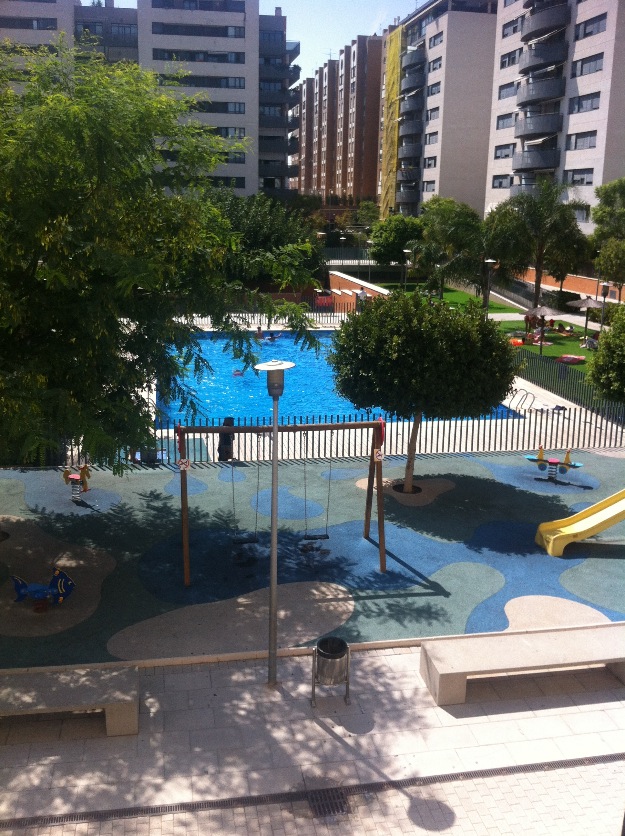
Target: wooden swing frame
column 374, row 475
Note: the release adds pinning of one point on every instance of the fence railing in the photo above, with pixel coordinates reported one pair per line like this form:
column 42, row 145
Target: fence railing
column 565, row 381
column 519, row 431
column 321, row 314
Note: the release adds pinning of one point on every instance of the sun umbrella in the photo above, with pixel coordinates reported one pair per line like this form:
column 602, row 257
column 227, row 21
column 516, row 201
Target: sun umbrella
column 542, row 312
column 586, row 304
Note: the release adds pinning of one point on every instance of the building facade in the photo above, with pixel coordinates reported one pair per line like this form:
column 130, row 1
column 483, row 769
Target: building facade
column 558, row 103
column 437, row 92
column 236, row 63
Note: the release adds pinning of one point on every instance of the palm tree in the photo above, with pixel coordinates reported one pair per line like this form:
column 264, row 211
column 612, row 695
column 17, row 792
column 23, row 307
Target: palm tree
column 537, row 228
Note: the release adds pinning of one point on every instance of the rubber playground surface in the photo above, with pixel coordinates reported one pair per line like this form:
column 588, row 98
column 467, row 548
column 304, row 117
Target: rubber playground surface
column 461, row 556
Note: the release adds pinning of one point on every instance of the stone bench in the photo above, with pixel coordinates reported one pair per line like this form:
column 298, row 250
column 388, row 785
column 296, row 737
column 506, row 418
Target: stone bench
column 447, row 662
column 112, row 690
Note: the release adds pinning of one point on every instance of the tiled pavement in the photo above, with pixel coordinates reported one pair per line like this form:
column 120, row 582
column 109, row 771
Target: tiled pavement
column 533, row 754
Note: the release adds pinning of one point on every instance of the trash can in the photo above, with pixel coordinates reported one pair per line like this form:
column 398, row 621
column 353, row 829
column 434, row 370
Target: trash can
column 331, row 664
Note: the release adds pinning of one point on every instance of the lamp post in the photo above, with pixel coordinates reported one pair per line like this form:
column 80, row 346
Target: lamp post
column 370, row 242
column 275, row 387
column 605, row 288
column 407, row 253
column 489, row 267
column 342, row 239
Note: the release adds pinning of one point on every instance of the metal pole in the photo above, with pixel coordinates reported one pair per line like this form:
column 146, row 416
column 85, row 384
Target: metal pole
column 273, row 560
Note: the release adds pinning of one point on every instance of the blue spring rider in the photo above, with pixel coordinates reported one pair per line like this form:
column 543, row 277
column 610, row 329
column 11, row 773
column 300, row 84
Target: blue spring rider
column 59, row 588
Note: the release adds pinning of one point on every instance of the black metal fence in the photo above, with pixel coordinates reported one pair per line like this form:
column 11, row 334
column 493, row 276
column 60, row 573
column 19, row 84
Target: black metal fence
column 522, row 431
column 565, row 381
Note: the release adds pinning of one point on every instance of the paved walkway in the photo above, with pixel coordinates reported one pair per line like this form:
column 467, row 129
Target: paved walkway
column 541, row 754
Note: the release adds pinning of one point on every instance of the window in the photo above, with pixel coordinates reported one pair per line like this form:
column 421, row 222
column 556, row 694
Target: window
column 432, row 138
column 511, row 27
column 506, row 91
column 91, row 27
column 268, row 36
column 507, row 3
column 235, row 157
column 582, row 214
column 127, row 31
column 429, row 185
column 436, row 64
column 589, row 27
column 432, row 113
column 228, row 182
column 592, row 64
column 582, row 104
column 236, row 82
column 435, row 40
column 578, row 176
column 433, row 89
column 197, row 55
column 270, row 110
column 509, row 59
column 197, row 31
column 502, row 181
column 429, row 162
column 39, row 23
column 219, row 107
column 504, row 151
column 581, row 141
column 230, row 133
column 202, row 5
column 505, row 120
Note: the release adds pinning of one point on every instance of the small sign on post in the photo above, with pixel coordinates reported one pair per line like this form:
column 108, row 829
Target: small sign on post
column 184, row 464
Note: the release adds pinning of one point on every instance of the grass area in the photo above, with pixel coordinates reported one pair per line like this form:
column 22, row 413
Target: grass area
column 560, row 344
column 452, row 296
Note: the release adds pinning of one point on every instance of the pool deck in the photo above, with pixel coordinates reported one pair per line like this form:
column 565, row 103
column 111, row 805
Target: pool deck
column 542, row 752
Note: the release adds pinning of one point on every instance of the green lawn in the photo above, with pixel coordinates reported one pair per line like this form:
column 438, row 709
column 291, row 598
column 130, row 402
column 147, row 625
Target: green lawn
column 559, row 343
column 451, row 296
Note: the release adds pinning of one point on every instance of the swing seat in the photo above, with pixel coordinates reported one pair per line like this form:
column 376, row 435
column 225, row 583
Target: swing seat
column 316, row 537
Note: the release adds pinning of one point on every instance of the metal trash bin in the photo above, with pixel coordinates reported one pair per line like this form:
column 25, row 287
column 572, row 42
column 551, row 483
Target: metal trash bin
column 331, row 658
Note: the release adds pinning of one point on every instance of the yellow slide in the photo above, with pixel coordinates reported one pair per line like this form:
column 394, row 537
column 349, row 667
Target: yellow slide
column 555, row 535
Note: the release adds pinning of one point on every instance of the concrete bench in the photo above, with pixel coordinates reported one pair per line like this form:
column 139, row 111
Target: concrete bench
column 112, row 690
column 447, row 662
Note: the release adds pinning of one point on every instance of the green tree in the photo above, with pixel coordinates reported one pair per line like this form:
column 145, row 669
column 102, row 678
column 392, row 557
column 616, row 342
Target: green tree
column 611, row 262
column 391, row 236
column 609, row 214
column 539, row 229
column 410, row 356
column 107, row 252
column 607, row 366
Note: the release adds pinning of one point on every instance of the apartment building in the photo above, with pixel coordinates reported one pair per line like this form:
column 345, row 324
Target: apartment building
column 236, row 63
column 324, row 106
column 437, row 93
column 558, row 104
column 301, row 120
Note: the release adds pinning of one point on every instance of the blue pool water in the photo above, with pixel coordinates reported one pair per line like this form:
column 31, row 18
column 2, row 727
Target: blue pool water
column 308, row 387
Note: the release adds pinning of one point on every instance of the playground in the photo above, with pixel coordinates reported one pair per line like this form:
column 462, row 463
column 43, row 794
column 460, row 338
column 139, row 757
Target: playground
column 461, row 555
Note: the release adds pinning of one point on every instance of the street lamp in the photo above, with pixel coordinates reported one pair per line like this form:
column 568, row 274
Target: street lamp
column 407, row 253
column 370, row 242
column 275, row 387
column 489, row 262
column 605, row 289
column 342, row 239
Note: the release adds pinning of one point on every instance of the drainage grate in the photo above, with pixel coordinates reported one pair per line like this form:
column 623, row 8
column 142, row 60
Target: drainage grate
column 329, row 802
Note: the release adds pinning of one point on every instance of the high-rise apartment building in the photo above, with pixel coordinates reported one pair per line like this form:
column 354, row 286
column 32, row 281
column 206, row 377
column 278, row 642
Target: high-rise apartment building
column 235, row 62
column 558, row 104
column 437, row 90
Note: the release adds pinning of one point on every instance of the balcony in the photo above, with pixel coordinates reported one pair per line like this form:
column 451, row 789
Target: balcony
column 411, row 127
column 533, row 127
column 413, row 57
column 411, row 104
column 409, row 151
column 269, row 97
column 293, row 145
column 292, row 50
column 523, row 188
column 408, row 175
column 404, row 196
column 532, row 92
column 271, row 50
column 276, row 168
column 294, row 74
column 273, row 72
column 412, row 82
column 536, row 159
column 543, row 55
column 545, row 21
column 271, row 121
column 293, row 124
column 273, row 145
column 294, row 98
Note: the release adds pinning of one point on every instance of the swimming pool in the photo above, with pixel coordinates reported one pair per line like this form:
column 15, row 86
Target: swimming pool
column 308, row 387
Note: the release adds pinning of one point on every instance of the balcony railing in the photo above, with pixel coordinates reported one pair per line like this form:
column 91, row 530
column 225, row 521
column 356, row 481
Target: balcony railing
column 409, row 152
column 532, row 127
column 536, row 159
column 542, row 55
column 411, row 104
column 545, row 21
column 413, row 57
column 412, row 82
column 531, row 92
column 411, row 127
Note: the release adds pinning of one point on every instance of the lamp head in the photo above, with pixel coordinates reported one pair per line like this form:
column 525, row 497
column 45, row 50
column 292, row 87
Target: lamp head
column 275, row 375
column 605, row 289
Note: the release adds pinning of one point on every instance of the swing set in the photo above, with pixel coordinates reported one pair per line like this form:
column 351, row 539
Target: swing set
column 374, row 477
